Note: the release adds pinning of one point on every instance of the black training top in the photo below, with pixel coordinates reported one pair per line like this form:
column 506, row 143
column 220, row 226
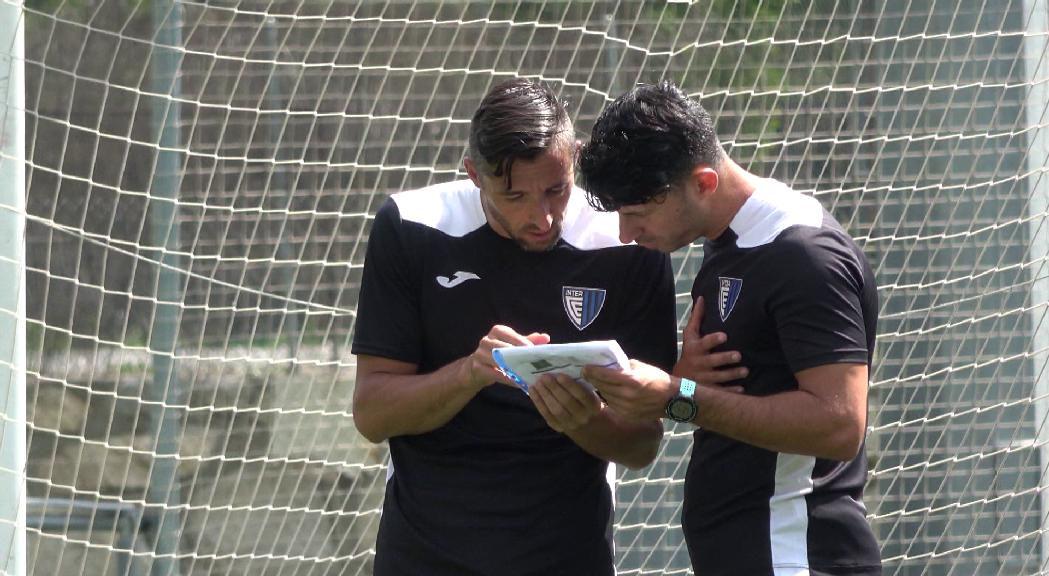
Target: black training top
column 495, row 490
column 792, row 291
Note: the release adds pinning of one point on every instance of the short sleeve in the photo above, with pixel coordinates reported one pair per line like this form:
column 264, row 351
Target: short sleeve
column 650, row 333
column 388, row 305
column 817, row 305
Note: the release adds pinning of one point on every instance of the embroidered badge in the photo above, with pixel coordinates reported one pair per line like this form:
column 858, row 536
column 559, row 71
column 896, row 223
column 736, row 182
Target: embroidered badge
column 582, row 304
column 728, row 295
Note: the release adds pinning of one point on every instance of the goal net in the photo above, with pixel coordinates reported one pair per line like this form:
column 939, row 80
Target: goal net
column 201, row 178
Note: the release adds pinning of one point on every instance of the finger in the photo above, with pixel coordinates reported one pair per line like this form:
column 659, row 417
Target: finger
column 603, row 388
column 539, row 400
column 487, row 345
column 720, row 359
column 696, row 359
column 540, row 394
column 538, row 338
column 719, row 376
column 508, row 335
column 571, row 396
column 553, row 395
column 638, row 367
column 603, row 377
column 564, row 410
column 615, row 393
column 491, row 342
column 577, row 390
column 562, row 407
column 496, row 375
column 694, row 319
column 705, row 344
column 619, row 406
column 609, row 394
column 485, row 357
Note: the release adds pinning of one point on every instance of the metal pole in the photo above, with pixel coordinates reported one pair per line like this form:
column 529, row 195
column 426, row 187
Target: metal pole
column 162, row 492
column 612, row 53
column 1037, row 72
column 12, row 293
column 280, row 185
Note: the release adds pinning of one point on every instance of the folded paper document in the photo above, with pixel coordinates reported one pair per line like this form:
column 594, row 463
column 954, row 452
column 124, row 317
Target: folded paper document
column 525, row 364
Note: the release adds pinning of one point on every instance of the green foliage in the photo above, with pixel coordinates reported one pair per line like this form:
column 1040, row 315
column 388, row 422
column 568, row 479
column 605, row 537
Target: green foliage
column 82, row 10
column 46, row 6
column 34, row 336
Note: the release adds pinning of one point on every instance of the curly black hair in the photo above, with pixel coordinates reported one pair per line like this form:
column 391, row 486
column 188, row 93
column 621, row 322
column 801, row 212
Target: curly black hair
column 643, row 143
column 519, row 118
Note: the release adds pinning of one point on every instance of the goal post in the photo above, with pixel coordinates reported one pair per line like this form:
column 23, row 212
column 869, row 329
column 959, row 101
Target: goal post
column 1036, row 66
column 163, row 389
column 12, row 294
column 198, row 179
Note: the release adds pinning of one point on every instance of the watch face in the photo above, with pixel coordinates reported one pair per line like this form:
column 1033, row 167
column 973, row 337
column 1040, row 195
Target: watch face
column 681, row 410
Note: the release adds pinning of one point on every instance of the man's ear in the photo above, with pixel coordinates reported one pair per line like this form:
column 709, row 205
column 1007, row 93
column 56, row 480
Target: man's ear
column 705, row 178
column 471, row 171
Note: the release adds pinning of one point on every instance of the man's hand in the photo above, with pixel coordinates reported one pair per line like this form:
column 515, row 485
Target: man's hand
column 564, row 403
column 697, row 362
column 392, row 399
column 638, row 393
column 479, row 369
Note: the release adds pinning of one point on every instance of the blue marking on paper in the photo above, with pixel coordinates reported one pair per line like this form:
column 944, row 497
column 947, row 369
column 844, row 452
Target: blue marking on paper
column 498, row 357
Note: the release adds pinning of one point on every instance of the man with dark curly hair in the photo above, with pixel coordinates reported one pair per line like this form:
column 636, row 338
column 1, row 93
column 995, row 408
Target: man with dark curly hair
column 775, row 481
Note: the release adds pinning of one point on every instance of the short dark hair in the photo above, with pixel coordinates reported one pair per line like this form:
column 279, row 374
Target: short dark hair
column 643, row 143
column 519, row 118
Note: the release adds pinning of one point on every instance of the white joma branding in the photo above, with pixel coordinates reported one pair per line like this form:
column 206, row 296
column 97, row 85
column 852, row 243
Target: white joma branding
column 456, row 280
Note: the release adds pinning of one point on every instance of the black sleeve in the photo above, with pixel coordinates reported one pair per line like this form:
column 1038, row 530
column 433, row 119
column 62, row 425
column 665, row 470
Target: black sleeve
column 649, row 330
column 817, row 302
column 388, row 306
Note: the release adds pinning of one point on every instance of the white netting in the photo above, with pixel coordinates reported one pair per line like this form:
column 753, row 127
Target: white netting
column 200, row 179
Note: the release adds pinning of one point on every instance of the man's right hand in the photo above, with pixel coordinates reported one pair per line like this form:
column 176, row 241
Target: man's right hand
column 392, row 399
column 697, row 362
column 479, row 369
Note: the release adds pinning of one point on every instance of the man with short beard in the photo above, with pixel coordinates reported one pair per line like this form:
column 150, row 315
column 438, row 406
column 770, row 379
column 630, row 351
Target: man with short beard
column 485, row 479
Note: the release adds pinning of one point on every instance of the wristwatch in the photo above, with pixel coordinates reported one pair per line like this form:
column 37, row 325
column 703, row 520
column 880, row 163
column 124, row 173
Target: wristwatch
column 682, row 407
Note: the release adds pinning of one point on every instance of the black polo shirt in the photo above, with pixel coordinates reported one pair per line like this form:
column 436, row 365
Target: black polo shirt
column 792, row 291
column 495, row 490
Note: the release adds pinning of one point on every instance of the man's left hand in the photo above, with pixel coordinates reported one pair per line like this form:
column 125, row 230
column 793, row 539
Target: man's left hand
column 639, row 393
column 564, row 403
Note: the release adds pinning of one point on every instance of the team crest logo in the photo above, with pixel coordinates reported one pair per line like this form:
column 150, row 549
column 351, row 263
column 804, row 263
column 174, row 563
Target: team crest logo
column 582, row 304
column 728, row 295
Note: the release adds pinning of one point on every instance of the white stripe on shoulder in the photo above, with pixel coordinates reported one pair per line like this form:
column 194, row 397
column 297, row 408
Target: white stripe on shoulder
column 453, row 207
column 586, row 228
column 770, row 210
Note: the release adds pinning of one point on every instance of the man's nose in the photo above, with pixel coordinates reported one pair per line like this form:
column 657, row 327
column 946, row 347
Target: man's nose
column 627, row 234
column 542, row 215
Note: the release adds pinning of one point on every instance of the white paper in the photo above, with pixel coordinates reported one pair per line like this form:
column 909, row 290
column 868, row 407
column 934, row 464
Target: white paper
column 525, row 364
